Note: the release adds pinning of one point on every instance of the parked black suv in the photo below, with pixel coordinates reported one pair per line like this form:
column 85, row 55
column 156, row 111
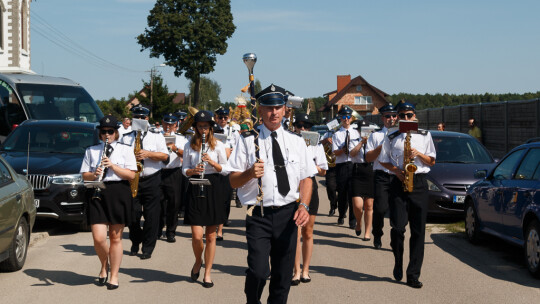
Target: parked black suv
column 53, row 159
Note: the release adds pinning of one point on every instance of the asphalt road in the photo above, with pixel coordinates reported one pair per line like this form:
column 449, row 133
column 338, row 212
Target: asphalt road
column 61, row 267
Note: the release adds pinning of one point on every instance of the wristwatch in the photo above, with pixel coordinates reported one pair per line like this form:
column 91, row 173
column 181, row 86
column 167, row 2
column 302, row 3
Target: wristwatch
column 305, row 206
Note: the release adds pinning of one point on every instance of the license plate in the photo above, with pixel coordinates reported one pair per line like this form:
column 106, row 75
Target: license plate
column 459, row 199
column 36, row 202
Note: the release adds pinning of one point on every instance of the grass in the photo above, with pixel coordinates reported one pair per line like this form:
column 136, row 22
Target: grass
column 454, row 227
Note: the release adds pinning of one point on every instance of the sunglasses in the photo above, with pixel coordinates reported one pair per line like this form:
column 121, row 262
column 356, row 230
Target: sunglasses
column 223, row 117
column 139, row 116
column 409, row 115
column 106, row 131
column 390, row 115
column 346, row 117
column 300, row 126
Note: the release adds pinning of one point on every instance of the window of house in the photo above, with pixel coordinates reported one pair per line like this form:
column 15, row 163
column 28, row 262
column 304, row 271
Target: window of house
column 358, row 88
column 362, row 100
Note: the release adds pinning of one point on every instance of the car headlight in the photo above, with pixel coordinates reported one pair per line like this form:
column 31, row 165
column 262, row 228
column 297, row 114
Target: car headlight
column 432, row 186
column 67, row 179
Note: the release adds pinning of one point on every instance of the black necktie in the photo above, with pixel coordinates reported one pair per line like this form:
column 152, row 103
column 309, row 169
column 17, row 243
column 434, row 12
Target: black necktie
column 108, row 151
column 279, row 165
column 347, row 139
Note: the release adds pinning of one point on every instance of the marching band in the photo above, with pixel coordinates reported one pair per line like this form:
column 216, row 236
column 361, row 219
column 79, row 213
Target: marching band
column 191, row 167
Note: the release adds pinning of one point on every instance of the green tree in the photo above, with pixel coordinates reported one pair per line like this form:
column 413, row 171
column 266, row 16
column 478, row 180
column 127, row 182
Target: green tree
column 114, row 107
column 209, row 91
column 189, row 34
column 162, row 101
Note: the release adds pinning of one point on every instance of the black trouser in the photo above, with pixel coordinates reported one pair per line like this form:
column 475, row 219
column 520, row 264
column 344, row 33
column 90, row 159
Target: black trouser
column 183, row 193
column 171, row 183
column 331, row 187
column 344, row 173
column 226, row 194
column 381, row 192
column 274, row 237
column 409, row 207
column 146, row 203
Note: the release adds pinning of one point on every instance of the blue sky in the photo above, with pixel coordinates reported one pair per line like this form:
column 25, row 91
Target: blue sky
column 416, row 46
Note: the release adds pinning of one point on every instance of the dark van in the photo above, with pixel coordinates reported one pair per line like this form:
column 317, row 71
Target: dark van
column 30, row 96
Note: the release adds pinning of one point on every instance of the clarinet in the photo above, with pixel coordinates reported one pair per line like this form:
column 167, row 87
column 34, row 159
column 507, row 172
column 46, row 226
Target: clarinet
column 203, row 147
column 97, row 191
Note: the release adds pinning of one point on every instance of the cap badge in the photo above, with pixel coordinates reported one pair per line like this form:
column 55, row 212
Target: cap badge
column 202, row 114
column 272, row 88
column 107, row 120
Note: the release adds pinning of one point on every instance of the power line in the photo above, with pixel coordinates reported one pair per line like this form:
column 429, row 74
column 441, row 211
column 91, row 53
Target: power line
column 47, row 31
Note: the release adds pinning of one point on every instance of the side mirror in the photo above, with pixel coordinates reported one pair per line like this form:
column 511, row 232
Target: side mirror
column 480, row 174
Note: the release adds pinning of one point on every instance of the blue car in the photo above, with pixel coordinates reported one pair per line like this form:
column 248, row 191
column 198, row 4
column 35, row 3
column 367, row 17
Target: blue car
column 506, row 203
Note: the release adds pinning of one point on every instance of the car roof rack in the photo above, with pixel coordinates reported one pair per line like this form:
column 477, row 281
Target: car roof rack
column 531, row 140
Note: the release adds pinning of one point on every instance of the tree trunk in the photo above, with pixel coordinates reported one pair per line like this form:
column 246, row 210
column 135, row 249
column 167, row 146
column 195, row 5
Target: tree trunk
column 196, row 90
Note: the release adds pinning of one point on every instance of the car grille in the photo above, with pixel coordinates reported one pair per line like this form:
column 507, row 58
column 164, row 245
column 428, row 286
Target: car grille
column 457, row 187
column 39, row 181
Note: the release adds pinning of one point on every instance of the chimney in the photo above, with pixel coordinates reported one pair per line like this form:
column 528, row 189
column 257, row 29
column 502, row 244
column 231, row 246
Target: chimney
column 342, row 81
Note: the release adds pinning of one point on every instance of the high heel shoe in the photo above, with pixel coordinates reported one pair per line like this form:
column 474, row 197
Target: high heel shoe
column 195, row 276
column 112, row 286
column 207, row 284
column 305, row 279
column 103, row 281
column 358, row 232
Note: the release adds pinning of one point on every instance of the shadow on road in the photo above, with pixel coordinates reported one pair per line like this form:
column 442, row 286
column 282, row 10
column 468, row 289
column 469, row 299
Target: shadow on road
column 52, row 277
column 492, row 257
column 238, row 271
column 85, row 250
column 143, row 275
column 348, row 274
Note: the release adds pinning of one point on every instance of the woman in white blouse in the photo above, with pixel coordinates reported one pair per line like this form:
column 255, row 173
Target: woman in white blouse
column 204, row 208
column 109, row 209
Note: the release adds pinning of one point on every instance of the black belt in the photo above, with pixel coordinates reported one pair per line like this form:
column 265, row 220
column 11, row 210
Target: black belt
column 277, row 207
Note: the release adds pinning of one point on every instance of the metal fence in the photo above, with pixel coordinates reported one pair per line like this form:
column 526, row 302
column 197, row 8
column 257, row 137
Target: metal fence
column 504, row 125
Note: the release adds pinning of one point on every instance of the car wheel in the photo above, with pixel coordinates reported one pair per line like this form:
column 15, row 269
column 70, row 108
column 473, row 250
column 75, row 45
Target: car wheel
column 18, row 248
column 532, row 248
column 471, row 223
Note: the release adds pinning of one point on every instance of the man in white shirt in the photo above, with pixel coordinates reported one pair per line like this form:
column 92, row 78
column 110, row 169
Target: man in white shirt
column 282, row 168
column 153, row 154
column 408, row 206
column 126, row 126
column 381, row 175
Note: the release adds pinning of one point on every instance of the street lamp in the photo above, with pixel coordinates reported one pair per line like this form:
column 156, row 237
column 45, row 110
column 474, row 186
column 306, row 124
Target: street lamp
column 152, row 72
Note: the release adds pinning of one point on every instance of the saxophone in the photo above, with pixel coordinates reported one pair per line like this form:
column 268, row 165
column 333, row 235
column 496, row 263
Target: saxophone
column 134, row 183
column 330, row 157
column 408, row 165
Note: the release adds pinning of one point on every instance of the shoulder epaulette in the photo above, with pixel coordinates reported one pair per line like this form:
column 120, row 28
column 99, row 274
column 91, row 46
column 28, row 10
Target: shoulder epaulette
column 154, row 130
column 393, row 134
column 422, row 131
column 123, row 143
column 247, row 134
column 293, row 133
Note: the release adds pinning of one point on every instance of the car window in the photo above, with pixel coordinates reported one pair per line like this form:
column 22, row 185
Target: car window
column 506, row 167
column 460, row 150
column 11, row 112
column 530, row 166
column 5, row 175
column 52, row 139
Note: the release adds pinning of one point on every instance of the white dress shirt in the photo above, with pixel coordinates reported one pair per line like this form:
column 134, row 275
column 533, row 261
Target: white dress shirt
column 152, row 141
column 298, row 164
column 122, row 156
column 123, row 130
column 191, row 158
column 319, row 157
column 175, row 161
column 392, row 150
column 338, row 140
column 359, row 158
column 376, row 139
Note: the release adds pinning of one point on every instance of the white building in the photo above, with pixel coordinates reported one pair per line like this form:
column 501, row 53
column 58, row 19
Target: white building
column 15, row 36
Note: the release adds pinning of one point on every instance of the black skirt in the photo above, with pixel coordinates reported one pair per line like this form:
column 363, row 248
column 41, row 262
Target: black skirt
column 362, row 180
column 314, row 204
column 114, row 206
column 207, row 211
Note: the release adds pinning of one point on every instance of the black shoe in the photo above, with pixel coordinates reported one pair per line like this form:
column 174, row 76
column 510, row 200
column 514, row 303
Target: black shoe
column 358, row 232
column 377, row 243
column 171, row 239
column 103, row 281
column 207, row 284
column 219, row 238
column 145, row 256
column 195, row 276
column 332, row 212
column 414, row 283
column 305, row 279
column 340, row 221
column 112, row 286
column 398, row 272
column 238, row 204
column 295, row 282
column 366, row 239
column 134, row 250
